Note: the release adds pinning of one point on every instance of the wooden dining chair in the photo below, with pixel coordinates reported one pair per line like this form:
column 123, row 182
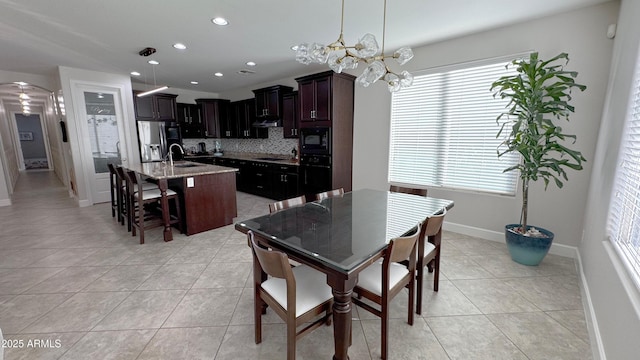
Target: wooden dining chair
column 408, row 190
column 298, row 295
column 123, row 197
column 429, row 253
column 285, row 204
column 145, row 207
column 382, row 281
column 330, row 193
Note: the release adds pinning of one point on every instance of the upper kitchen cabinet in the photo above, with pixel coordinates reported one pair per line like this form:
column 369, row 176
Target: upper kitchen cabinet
column 269, row 101
column 243, row 112
column 214, row 113
column 324, row 98
column 290, row 115
column 190, row 121
column 156, row 107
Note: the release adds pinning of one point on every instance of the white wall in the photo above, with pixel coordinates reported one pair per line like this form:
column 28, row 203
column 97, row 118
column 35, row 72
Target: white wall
column 615, row 301
column 6, row 185
column 580, row 33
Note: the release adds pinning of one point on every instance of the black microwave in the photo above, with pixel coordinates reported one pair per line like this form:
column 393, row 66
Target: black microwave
column 315, row 140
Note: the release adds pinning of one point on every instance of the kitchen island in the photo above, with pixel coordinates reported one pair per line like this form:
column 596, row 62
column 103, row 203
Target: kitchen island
column 207, row 193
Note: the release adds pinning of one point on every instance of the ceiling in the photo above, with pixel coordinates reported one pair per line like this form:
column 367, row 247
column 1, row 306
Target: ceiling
column 36, row 36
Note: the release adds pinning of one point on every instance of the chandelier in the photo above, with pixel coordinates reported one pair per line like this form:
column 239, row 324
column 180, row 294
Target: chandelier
column 340, row 57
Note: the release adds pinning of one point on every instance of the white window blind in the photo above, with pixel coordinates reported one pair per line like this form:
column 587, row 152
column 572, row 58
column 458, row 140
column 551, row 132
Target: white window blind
column 624, row 212
column 443, row 131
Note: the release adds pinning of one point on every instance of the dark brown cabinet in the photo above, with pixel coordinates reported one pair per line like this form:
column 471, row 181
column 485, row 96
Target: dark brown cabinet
column 190, row 120
column 258, row 181
column 243, row 112
column 267, row 179
column 326, row 100
column 156, row 107
column 269, row 101
column 290, row 115
column 214, row 113
column 315, row 99
column 284, row 181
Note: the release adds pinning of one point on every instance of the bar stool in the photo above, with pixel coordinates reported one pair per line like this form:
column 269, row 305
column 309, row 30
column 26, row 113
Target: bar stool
column 145, row 209
column 114, row 186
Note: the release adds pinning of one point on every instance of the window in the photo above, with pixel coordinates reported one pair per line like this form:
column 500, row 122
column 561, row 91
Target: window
column 443, row 130
column 624, row 212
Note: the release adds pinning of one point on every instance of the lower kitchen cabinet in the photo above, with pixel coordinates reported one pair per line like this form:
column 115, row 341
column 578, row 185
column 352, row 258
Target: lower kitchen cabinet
column 258, row 180
column 285, row 182
column 270, row 180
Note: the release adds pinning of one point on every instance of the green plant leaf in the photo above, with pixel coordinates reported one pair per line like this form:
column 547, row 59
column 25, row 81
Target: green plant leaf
column 538, row 95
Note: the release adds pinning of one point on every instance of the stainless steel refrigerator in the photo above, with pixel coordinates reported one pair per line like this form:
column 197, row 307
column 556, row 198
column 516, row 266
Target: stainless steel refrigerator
column 155, row 138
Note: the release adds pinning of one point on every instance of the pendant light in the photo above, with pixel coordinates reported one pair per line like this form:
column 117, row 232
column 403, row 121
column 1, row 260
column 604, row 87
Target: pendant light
column 340, row 57
column 146, row 52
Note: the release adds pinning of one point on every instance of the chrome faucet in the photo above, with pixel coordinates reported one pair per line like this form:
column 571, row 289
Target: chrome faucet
column 171, row 154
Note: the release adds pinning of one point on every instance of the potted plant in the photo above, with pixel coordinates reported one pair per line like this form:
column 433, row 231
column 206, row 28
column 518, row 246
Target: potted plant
column 539, row 96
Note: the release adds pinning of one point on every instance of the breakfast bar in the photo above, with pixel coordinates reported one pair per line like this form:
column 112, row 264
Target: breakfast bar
column 208, row 193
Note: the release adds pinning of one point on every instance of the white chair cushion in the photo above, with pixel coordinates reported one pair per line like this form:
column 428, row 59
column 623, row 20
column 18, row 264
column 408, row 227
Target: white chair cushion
column 149, row 186
column 371, row 277
column 311, row 289
column 153, row 194
column 428, row 248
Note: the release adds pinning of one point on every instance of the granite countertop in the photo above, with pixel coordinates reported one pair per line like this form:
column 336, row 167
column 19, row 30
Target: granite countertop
column 261, row 157
column 158, row 170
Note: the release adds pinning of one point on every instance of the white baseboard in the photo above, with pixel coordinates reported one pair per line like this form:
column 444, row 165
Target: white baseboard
column 84, row 203
column 5, row 202
column 556, row 249
column 597, row 348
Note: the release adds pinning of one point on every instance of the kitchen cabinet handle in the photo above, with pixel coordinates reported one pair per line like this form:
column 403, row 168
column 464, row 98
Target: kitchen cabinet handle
column 285, row 178
column 258, row 174
column 291, row 132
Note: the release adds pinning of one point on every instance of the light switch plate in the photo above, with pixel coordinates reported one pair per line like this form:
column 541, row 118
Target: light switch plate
column 190, row 182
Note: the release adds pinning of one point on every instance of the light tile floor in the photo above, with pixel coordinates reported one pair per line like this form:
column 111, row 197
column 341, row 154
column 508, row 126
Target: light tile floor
column 77, row 282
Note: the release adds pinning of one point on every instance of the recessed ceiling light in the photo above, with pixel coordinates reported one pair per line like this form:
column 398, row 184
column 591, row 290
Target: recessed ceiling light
column 251, row 63
column 179, row 46
column 153, row 62
column 294, row 48
column 135, row 73
column 194, row 82
column 220, row 21
column 218, row 74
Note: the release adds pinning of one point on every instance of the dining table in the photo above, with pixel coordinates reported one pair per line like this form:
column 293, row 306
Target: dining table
column 340, row 236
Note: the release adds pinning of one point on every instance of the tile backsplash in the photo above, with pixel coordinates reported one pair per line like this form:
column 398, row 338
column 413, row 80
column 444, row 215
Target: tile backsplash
column 274, row 144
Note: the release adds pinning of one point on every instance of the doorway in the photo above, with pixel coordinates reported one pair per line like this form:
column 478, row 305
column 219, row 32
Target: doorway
column 34, row 154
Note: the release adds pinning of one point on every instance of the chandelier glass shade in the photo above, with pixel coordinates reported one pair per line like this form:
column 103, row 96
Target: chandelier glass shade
column 339, row 56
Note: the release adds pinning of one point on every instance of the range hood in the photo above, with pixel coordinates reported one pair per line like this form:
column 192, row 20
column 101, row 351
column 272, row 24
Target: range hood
column 266, row 123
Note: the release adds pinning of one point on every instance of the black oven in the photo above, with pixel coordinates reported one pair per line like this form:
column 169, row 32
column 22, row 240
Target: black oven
column 315, row 171
column 316, row 140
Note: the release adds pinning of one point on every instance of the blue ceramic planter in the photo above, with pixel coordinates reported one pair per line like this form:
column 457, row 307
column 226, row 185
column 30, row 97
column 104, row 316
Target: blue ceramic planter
column 527, row 250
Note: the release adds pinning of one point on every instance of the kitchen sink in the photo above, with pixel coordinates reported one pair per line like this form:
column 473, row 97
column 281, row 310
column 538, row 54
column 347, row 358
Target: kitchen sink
column 185, row 165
